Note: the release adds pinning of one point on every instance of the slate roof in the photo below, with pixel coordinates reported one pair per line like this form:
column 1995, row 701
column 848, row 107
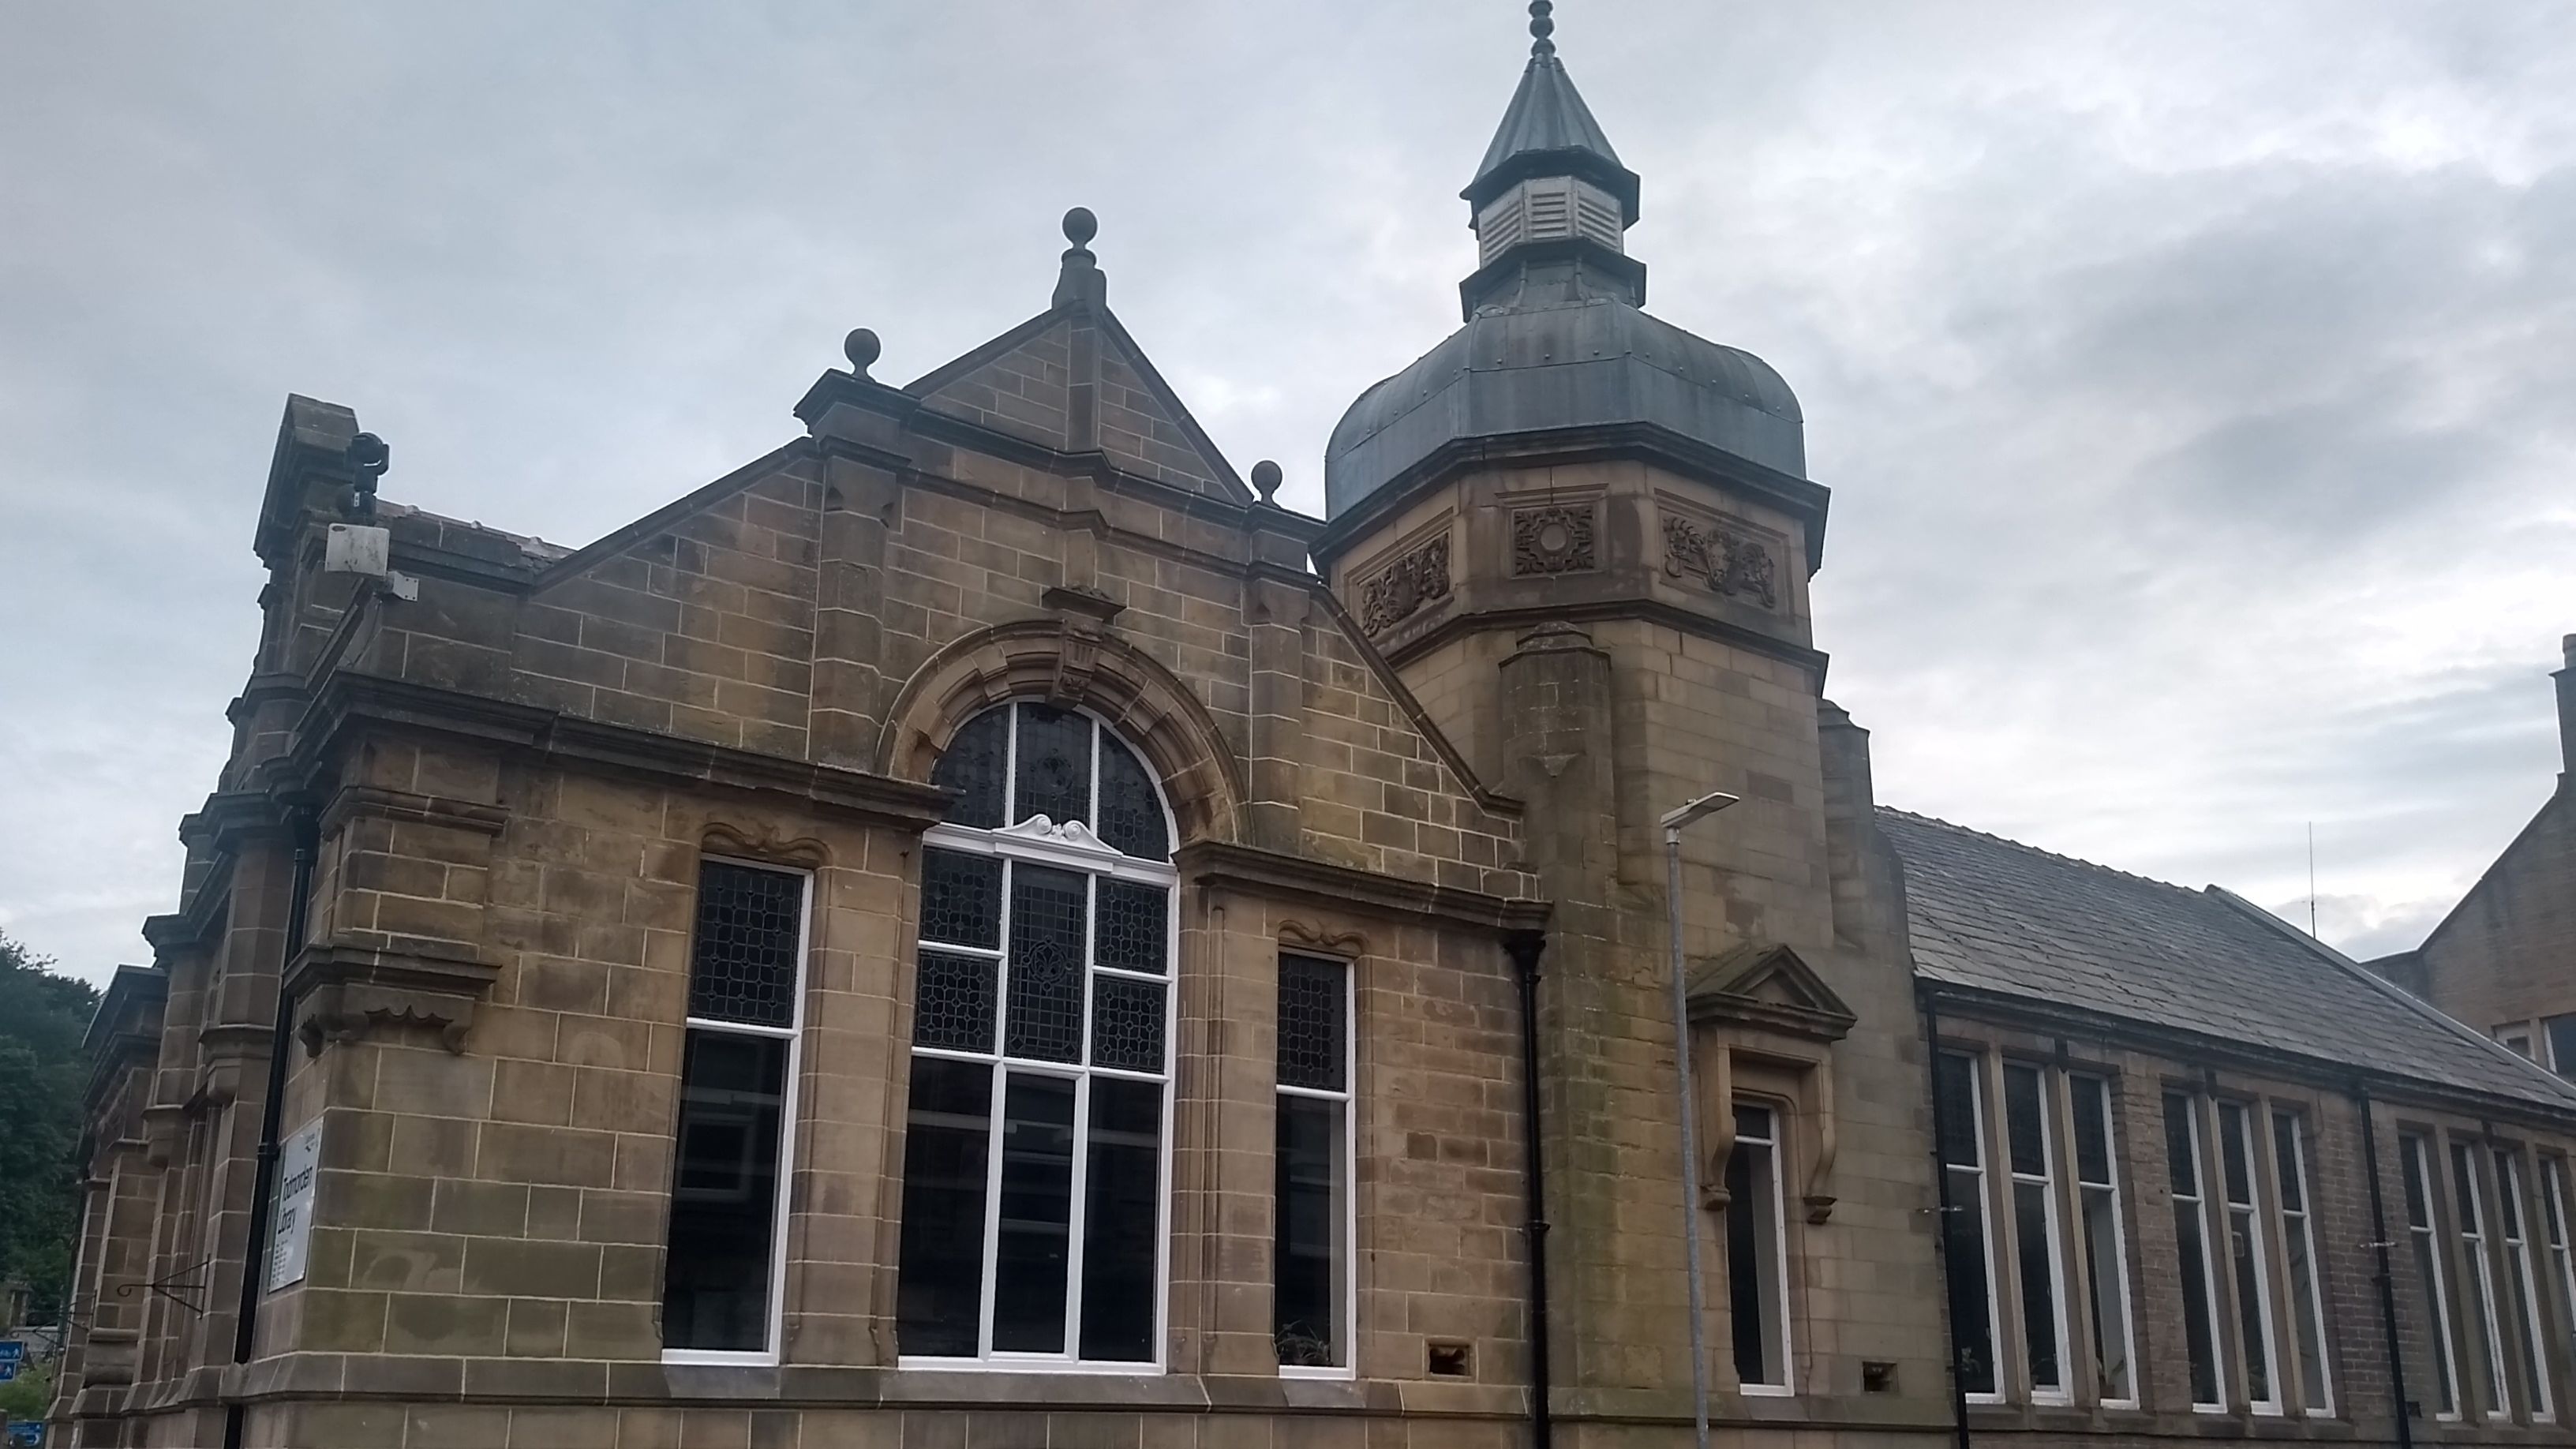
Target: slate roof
column 1995, row 916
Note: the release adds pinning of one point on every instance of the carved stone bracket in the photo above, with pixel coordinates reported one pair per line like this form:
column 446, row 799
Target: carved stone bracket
column 344, row 992
column 1556, row 539
column 1731, row 564
column 1419, row 576
column 1307, row 937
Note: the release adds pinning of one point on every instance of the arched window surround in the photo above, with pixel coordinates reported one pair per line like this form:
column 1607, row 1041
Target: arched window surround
column 1045, row 1108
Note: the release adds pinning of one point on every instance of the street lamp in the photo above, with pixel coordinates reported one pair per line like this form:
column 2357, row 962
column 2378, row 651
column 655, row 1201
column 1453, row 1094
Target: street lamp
column 1675, row 821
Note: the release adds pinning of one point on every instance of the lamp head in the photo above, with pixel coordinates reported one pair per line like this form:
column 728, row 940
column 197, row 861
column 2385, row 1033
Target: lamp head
column 1680, row 817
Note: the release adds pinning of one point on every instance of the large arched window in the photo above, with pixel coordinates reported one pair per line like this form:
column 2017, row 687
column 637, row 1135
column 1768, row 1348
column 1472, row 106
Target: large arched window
column 1035, row 1153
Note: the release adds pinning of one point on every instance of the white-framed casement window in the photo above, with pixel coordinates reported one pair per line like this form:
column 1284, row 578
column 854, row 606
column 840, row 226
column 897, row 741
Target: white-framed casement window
column 2299, row 1263
column 2031, row 1160
column 2477, row 1288
column 1757, row 1252
column 2522, row 1283
column 1314, row 1219
column 2246, row 1251
column 2106, row 1261
column 2191, row 1241
column 2416, row 1156
column 1959, row 1108
column 724, row 1265
column 2553, row 1221
column 1037, row 1151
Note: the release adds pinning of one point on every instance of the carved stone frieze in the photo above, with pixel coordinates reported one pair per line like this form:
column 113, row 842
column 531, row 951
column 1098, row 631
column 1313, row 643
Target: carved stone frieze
column 1556, row 539
column 1730, row 563
column 1419, row 576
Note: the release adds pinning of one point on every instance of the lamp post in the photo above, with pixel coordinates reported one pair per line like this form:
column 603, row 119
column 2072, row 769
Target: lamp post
column 1675, row 821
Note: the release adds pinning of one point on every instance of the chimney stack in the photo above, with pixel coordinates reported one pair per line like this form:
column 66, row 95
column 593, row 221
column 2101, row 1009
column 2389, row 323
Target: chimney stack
column 2567, row 709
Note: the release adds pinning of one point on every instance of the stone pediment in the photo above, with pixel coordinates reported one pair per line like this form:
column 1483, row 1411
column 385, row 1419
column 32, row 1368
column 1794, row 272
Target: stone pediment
column 1768, row 984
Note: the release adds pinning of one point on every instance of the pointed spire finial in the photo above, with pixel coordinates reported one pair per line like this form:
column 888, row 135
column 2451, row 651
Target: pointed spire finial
column 1541, row 27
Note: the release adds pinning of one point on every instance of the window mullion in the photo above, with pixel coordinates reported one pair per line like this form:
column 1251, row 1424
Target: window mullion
column 995, row 1128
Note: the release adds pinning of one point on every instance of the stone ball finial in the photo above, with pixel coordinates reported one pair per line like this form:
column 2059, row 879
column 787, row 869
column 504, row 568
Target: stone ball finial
column 1265, row 479
column 861, row 347
column 1080, row 226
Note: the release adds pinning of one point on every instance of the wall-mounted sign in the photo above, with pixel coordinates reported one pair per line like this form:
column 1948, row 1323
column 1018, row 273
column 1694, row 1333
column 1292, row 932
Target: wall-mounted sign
column 299, row 1162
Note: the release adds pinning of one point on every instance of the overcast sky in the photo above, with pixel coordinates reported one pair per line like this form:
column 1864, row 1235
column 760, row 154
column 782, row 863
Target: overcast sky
column 2194, row 381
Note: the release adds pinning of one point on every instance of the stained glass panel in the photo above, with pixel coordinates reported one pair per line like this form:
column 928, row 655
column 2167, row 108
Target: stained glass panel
column 954, row 1006
column 742, row 966
column 1127, row 1024
column 961, row 898
column 1054, row 778
column 1310, row 1024
column 1134, row 928
column 974, row 765
column 1131, row 812
column 1046, row 964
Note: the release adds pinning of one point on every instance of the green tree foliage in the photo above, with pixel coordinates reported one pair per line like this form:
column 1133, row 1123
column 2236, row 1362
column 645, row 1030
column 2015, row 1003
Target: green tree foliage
column 25, row 1398
column 43, row 1015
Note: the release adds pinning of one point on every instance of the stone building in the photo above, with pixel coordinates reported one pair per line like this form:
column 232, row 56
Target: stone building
column 980, row 928
column 2504, row 959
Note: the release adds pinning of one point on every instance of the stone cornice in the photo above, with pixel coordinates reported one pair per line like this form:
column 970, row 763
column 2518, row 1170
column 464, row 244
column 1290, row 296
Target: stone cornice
column 1800, row 498
column 380, row 802
column 1275, row 873
column 1674, row 616
column 349, row 702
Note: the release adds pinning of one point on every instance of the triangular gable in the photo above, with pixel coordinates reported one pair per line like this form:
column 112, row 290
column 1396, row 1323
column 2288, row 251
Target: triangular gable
column 1072, row 379
column 1768, row 983
column 1019, row 383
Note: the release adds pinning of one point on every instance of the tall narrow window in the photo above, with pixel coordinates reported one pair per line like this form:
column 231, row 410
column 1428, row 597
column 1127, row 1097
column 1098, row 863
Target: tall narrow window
column 2035, row 1232
column 1961, row 1108
column 724, row 1264
column 1311, row 1259
column 2299, row 1262
column 1757, row 1253
column 2553, row 1210
column 2245, row 1251
column 1035, row 1150
column 2523, row 1283
column 2561, row 1032
column 2418, row 1159
column 2477, row 1288
column 2191, row 1239
column 2106, row 1264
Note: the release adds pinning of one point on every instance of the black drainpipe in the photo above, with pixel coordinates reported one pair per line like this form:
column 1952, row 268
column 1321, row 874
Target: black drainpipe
column 1525, row 948
column 264, row 1185
column 2387, row 1280
column 1941, row 1180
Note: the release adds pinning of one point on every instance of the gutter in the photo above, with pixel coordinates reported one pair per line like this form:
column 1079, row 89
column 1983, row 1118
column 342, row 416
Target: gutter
column 2400, row 1409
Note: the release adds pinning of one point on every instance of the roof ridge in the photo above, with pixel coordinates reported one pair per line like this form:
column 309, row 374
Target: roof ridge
column 2028, row 849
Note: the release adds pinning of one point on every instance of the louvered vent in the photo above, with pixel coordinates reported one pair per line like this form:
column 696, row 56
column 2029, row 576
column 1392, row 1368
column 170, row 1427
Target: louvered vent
column 1548, row 209
column 1597, row 216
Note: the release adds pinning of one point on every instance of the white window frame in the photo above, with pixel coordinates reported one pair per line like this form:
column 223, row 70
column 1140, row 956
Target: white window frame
column 794, row 1035
column 1977, row 1135
column 2046, row 1181
column 1777, row 1143
column 2513, row 1233
column 2553, row 1180
column 1073, row 848
column 2474, row 1244
column 1349, row 1098
column 2429, row 1249
column 2199, row 1201
column 2267, row 1321
column 2302, row 1220
column 2109, row 1188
